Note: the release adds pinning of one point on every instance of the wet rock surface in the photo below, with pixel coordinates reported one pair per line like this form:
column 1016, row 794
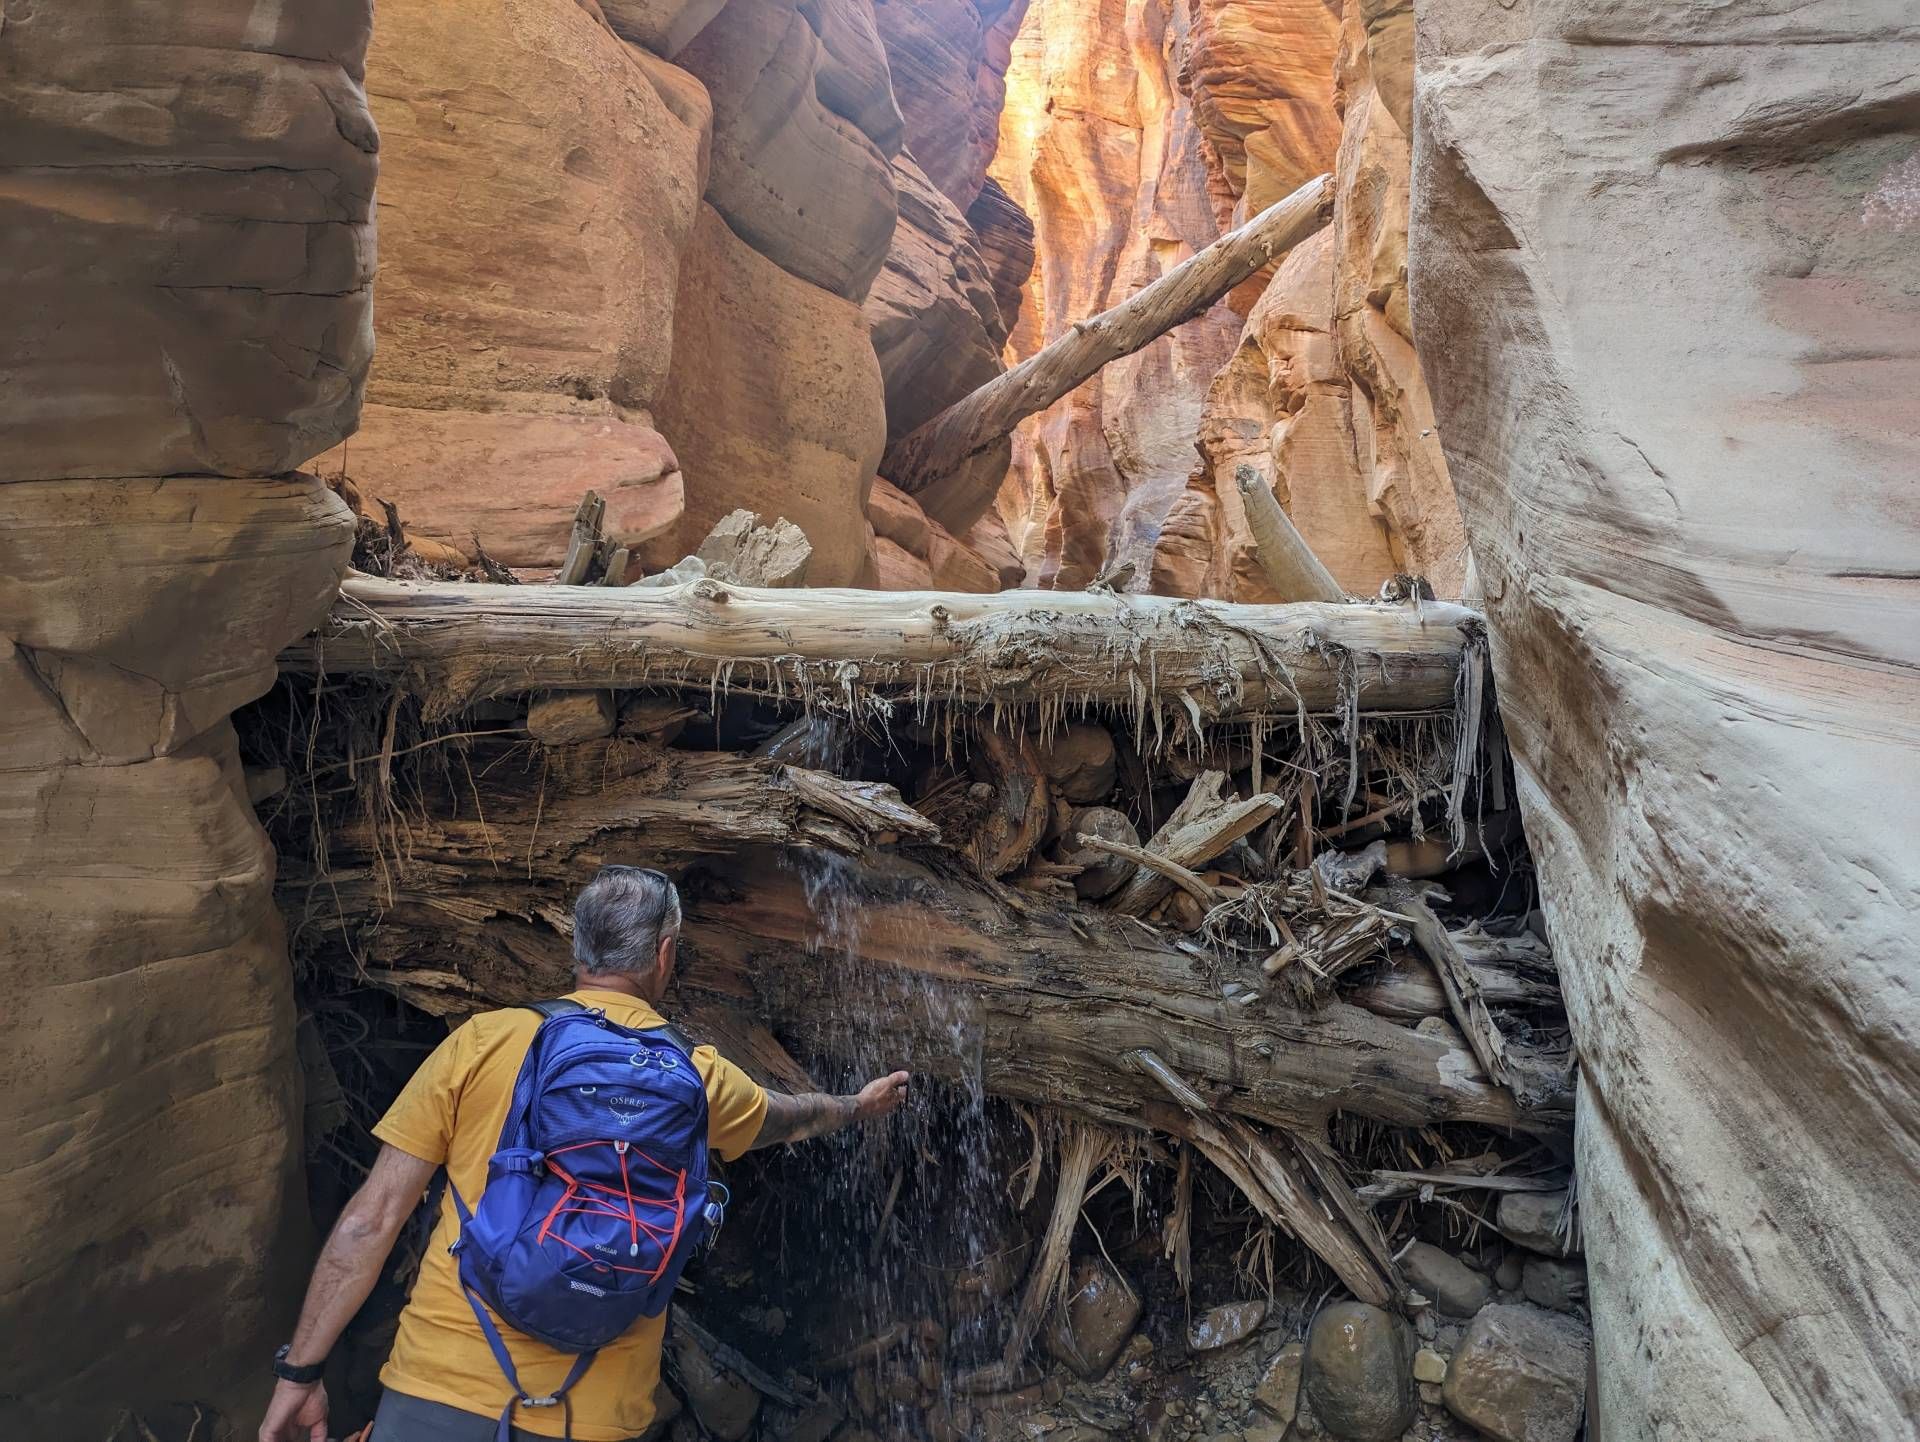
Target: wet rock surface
column 1520, row 1375
column 1226, row 1324
column 1455, row 1288
column 1279, row 1389
column 1358, row 1373
column 1101, row 1310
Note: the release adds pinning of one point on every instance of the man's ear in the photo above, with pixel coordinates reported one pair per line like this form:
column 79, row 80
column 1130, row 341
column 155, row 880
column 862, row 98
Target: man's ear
column 663, row 958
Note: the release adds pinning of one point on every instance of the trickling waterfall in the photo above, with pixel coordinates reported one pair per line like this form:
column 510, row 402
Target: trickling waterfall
column 907, row 1220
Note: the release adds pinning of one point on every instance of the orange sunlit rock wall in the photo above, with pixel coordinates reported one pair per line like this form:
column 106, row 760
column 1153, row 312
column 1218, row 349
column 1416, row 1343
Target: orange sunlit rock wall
column 1136, row 131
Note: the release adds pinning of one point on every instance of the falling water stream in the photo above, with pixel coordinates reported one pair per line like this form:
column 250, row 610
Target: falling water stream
column 910, row 1222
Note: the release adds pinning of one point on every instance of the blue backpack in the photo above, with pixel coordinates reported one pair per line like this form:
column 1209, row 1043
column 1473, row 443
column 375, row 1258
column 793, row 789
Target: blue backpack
column 597, row 1196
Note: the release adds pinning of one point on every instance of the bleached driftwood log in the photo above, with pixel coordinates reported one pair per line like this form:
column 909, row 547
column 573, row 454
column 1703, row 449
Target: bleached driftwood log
column 1286, row 559
column 456, row 644
column 916, row 462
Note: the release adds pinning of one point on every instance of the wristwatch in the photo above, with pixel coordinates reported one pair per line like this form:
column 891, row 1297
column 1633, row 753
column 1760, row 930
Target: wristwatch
column 287, row 1372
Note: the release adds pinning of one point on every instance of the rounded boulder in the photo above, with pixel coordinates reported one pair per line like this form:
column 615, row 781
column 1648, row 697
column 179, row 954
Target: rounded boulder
column 1359, row 1373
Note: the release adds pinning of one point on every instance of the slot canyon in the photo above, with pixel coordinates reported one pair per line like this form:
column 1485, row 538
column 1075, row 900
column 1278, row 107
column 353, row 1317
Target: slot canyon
column 1295, row 604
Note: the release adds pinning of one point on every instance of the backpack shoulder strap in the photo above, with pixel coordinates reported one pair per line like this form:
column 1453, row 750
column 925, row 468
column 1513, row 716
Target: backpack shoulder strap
column 566, row 1006
column 673, row 1035
column 513, row 1130
column 558, row 1006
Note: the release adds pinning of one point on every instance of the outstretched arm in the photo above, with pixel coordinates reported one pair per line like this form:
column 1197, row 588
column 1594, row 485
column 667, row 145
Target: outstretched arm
column 348, row 1267
column 815, row 1114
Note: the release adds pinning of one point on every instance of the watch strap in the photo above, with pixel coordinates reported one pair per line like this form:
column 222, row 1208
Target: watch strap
column 288, row 1372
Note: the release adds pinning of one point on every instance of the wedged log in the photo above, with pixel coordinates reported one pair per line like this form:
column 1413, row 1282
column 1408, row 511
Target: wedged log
column 1289, row 563
column 1412, row 993
column 964, row 980
column 938, row 448
column 454, row 644
column 990, row 986
column 676, row 805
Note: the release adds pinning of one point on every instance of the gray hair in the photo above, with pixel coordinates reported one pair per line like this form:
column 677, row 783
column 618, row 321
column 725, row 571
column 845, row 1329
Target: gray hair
column 620, row 918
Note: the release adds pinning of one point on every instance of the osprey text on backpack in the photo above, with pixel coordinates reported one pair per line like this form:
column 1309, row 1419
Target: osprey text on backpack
column 596, row 1197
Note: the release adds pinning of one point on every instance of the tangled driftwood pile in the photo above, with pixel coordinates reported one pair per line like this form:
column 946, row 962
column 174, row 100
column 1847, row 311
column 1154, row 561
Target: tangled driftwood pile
column 1165, row 860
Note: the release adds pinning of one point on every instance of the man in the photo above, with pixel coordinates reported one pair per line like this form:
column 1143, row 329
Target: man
column 442, row 1381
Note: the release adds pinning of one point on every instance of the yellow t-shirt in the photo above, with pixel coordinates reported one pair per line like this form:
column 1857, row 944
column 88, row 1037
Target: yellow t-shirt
column 451, row 1113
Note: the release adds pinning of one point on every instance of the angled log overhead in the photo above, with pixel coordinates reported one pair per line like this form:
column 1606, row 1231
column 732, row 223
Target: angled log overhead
column 455, row 644
column 918, row 461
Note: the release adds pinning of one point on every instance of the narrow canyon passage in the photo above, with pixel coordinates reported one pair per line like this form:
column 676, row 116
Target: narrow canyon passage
column 1300, row 605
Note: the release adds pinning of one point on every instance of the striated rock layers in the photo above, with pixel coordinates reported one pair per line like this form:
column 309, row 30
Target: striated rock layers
column 949, row 63
column 564, row 203
column 935, row 321
column 536, row 193
column 1258, row 76
column 772, row 396
column 1666, row 262
column 941, row 306
column 1134, row 133
column 1324, row 396
column 1099, row 144
column 186, row 266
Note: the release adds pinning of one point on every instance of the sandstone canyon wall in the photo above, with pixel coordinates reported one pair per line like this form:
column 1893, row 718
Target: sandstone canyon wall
column 702, row 256
column 940, row 311
column 1323, row 397
column 186, row 257
column 625, row 248
column 678, row 253
column 1667, row 285
column 538, row 188
column 1098, row 144
column 1137, row 132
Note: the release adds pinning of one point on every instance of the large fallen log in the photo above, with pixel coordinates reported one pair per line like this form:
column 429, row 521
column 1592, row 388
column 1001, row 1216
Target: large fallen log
column 1149, row 655
column 898, row 960
column 957, row 977
column 984, row 985
column 918, row 461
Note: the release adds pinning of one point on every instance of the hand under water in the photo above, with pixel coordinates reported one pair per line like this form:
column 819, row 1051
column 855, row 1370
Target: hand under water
column 881, row 1097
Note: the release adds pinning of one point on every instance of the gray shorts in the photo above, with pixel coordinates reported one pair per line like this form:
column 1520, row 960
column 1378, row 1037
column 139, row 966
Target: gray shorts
column 409, row 1419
